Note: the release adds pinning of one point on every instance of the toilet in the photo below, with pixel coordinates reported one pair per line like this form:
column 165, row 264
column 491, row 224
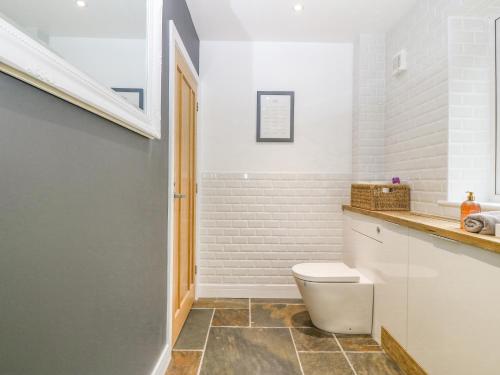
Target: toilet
column 339, row 299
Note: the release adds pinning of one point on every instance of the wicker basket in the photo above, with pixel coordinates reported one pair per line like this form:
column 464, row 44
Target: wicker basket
column 378, row 197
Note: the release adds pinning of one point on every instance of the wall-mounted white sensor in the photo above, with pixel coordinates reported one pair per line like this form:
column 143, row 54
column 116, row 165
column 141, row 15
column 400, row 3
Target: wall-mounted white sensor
column 399, row 63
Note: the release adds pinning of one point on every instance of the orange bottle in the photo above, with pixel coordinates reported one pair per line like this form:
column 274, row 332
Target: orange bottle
column 469, row 207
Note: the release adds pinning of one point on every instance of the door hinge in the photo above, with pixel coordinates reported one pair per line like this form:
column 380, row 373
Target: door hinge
column 196, row 188
column 197, row 106
column 196, row 270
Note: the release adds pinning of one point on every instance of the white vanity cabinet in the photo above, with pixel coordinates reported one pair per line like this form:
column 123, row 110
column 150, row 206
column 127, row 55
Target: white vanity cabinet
column 379, row 250
column 453, row 306
column 440, row 299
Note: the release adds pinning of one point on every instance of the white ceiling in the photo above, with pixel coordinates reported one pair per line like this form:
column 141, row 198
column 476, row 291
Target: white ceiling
column 276, row 20
column 100, row 18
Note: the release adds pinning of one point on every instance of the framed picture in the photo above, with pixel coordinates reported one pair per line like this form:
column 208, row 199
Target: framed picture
column 133, row 96
column 275, row 115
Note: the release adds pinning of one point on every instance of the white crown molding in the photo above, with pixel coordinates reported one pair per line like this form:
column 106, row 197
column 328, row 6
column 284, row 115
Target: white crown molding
column 28, row 60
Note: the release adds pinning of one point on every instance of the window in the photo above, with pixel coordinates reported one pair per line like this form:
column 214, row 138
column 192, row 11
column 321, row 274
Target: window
column 497, row 107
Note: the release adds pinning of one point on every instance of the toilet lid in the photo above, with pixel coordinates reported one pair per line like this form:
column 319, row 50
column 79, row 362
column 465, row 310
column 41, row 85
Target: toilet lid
column 326, row 272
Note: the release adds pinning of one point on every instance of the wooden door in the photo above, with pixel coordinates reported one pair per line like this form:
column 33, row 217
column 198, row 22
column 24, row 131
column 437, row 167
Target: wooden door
column 184, row 195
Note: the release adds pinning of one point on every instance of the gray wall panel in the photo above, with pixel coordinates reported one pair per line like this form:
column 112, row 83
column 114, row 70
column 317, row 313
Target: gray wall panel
column 83, row 223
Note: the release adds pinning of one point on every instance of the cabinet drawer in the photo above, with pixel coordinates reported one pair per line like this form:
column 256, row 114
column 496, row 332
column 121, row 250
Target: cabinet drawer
column 367, row 226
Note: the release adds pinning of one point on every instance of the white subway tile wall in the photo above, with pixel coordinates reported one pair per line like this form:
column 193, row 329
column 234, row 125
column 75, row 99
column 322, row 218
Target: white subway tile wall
column 255, row 227
column 436, row 113
column 368, row 108
column 480, row 8
column 416, row 128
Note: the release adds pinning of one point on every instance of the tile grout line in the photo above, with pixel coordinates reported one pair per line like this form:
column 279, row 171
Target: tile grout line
column 249, row 313
column 296, row 351
column 339, row 351
column 270, row 303
column 345, row 355
column 244, row 308
column 319, row 351
column 260, row 327
column 242, row 327
column 206, row 341
column 219, row 308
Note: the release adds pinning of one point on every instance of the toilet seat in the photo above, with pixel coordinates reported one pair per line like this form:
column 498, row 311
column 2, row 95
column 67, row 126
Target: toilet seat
column 326, row 273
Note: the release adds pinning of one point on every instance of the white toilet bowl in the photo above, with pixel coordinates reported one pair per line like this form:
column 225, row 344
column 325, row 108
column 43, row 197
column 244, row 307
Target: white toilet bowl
column 339, row 299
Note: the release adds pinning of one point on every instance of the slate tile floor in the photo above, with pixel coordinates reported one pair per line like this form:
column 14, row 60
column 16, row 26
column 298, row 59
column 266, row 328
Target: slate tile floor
column 269, row 337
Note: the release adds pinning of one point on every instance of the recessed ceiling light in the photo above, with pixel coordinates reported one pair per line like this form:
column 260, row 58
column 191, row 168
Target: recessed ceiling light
column 81, row 3
column 298, row 7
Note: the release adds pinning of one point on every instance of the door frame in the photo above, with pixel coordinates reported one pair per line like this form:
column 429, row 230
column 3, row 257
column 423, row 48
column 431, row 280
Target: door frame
column 175, row 42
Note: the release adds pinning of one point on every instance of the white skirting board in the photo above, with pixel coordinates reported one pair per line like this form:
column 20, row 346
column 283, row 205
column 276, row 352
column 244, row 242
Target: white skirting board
column 247, row 291
column 163, row 361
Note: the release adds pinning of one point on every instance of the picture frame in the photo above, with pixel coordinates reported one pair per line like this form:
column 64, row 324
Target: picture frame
column 128, row 94
column 275, row 116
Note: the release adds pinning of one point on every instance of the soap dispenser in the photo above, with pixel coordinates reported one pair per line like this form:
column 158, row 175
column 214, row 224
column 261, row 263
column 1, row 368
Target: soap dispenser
column 468, row 207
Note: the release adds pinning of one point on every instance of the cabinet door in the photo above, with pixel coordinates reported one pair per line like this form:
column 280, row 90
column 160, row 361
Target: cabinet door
column 391, row 286
column 364, row 241
column 453, row 307
column 364, row 252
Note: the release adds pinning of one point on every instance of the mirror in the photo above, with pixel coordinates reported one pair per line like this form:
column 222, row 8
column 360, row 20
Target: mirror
column 104, row 55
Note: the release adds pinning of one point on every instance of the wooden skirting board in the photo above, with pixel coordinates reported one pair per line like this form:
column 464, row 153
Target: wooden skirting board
column 435, row 225
column 400, row 355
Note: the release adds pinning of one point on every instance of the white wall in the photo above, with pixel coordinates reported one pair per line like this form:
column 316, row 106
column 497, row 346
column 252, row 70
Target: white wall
column 268, row 206
column 321, row 76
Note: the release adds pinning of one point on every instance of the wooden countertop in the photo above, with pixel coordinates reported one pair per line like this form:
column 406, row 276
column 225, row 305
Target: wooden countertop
column 438, row 226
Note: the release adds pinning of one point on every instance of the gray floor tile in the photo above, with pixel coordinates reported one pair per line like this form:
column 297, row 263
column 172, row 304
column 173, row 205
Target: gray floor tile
column 221, row 303
column 280, row 315
column 194, row 332
column 288, row 301
column 230, row 318
column 250, row 351
column 314, row 340
column 373, row 364
column 358, row 343
column 325, row 364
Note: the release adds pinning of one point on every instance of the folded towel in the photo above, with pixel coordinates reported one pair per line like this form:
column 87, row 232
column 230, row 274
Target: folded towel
column 483, row 223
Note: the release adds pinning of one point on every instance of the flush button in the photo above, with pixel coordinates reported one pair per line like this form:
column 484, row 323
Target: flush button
column 378, row 230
